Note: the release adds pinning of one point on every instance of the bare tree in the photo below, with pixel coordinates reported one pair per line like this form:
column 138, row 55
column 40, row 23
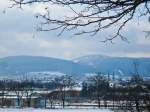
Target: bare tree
column 100, row 86
column 28, row 91
column 64, row 82
column 22, row 89
column 51, row 100
column 18, row 90
column 90, row 16
column 3, row 90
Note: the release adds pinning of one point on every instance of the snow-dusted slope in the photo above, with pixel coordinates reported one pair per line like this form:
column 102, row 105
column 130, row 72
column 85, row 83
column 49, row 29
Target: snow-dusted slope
column 118, row 65
column 91, row 60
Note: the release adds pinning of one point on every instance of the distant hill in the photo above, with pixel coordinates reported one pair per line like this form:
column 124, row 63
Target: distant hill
column 79, row 66
column 118, row 65
column 25, row 64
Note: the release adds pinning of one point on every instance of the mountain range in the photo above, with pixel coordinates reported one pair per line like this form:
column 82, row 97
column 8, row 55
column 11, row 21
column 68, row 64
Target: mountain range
column 78, row 66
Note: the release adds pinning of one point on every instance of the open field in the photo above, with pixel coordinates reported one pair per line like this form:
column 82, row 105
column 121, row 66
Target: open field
column 53, row 110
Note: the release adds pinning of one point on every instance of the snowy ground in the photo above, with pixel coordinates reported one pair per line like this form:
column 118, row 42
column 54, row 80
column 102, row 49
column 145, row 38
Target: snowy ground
column 54, row 110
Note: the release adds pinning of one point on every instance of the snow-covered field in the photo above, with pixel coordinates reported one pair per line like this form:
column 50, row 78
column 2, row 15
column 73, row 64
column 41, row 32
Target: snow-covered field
column 54, row 110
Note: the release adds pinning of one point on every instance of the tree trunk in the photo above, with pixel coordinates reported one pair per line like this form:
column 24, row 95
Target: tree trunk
column 51, row 103
column 18, row 102
column 105, row 103
column 99, row 103
column 45, row 103
column 3, row 93
column 63, row 101
column 137, row 105
column 63, row 98
column 29, row 102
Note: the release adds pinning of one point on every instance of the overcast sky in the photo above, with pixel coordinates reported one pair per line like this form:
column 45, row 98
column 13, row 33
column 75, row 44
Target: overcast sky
column 18, row 37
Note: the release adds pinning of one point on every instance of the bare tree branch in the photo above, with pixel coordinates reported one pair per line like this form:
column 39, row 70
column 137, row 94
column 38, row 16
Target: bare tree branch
column 91, row 16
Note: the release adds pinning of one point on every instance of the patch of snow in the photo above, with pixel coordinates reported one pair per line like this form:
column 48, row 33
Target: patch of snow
column 53, row 110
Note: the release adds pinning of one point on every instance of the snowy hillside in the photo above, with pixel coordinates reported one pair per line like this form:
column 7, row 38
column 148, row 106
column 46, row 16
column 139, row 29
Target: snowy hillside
column 117, row 65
